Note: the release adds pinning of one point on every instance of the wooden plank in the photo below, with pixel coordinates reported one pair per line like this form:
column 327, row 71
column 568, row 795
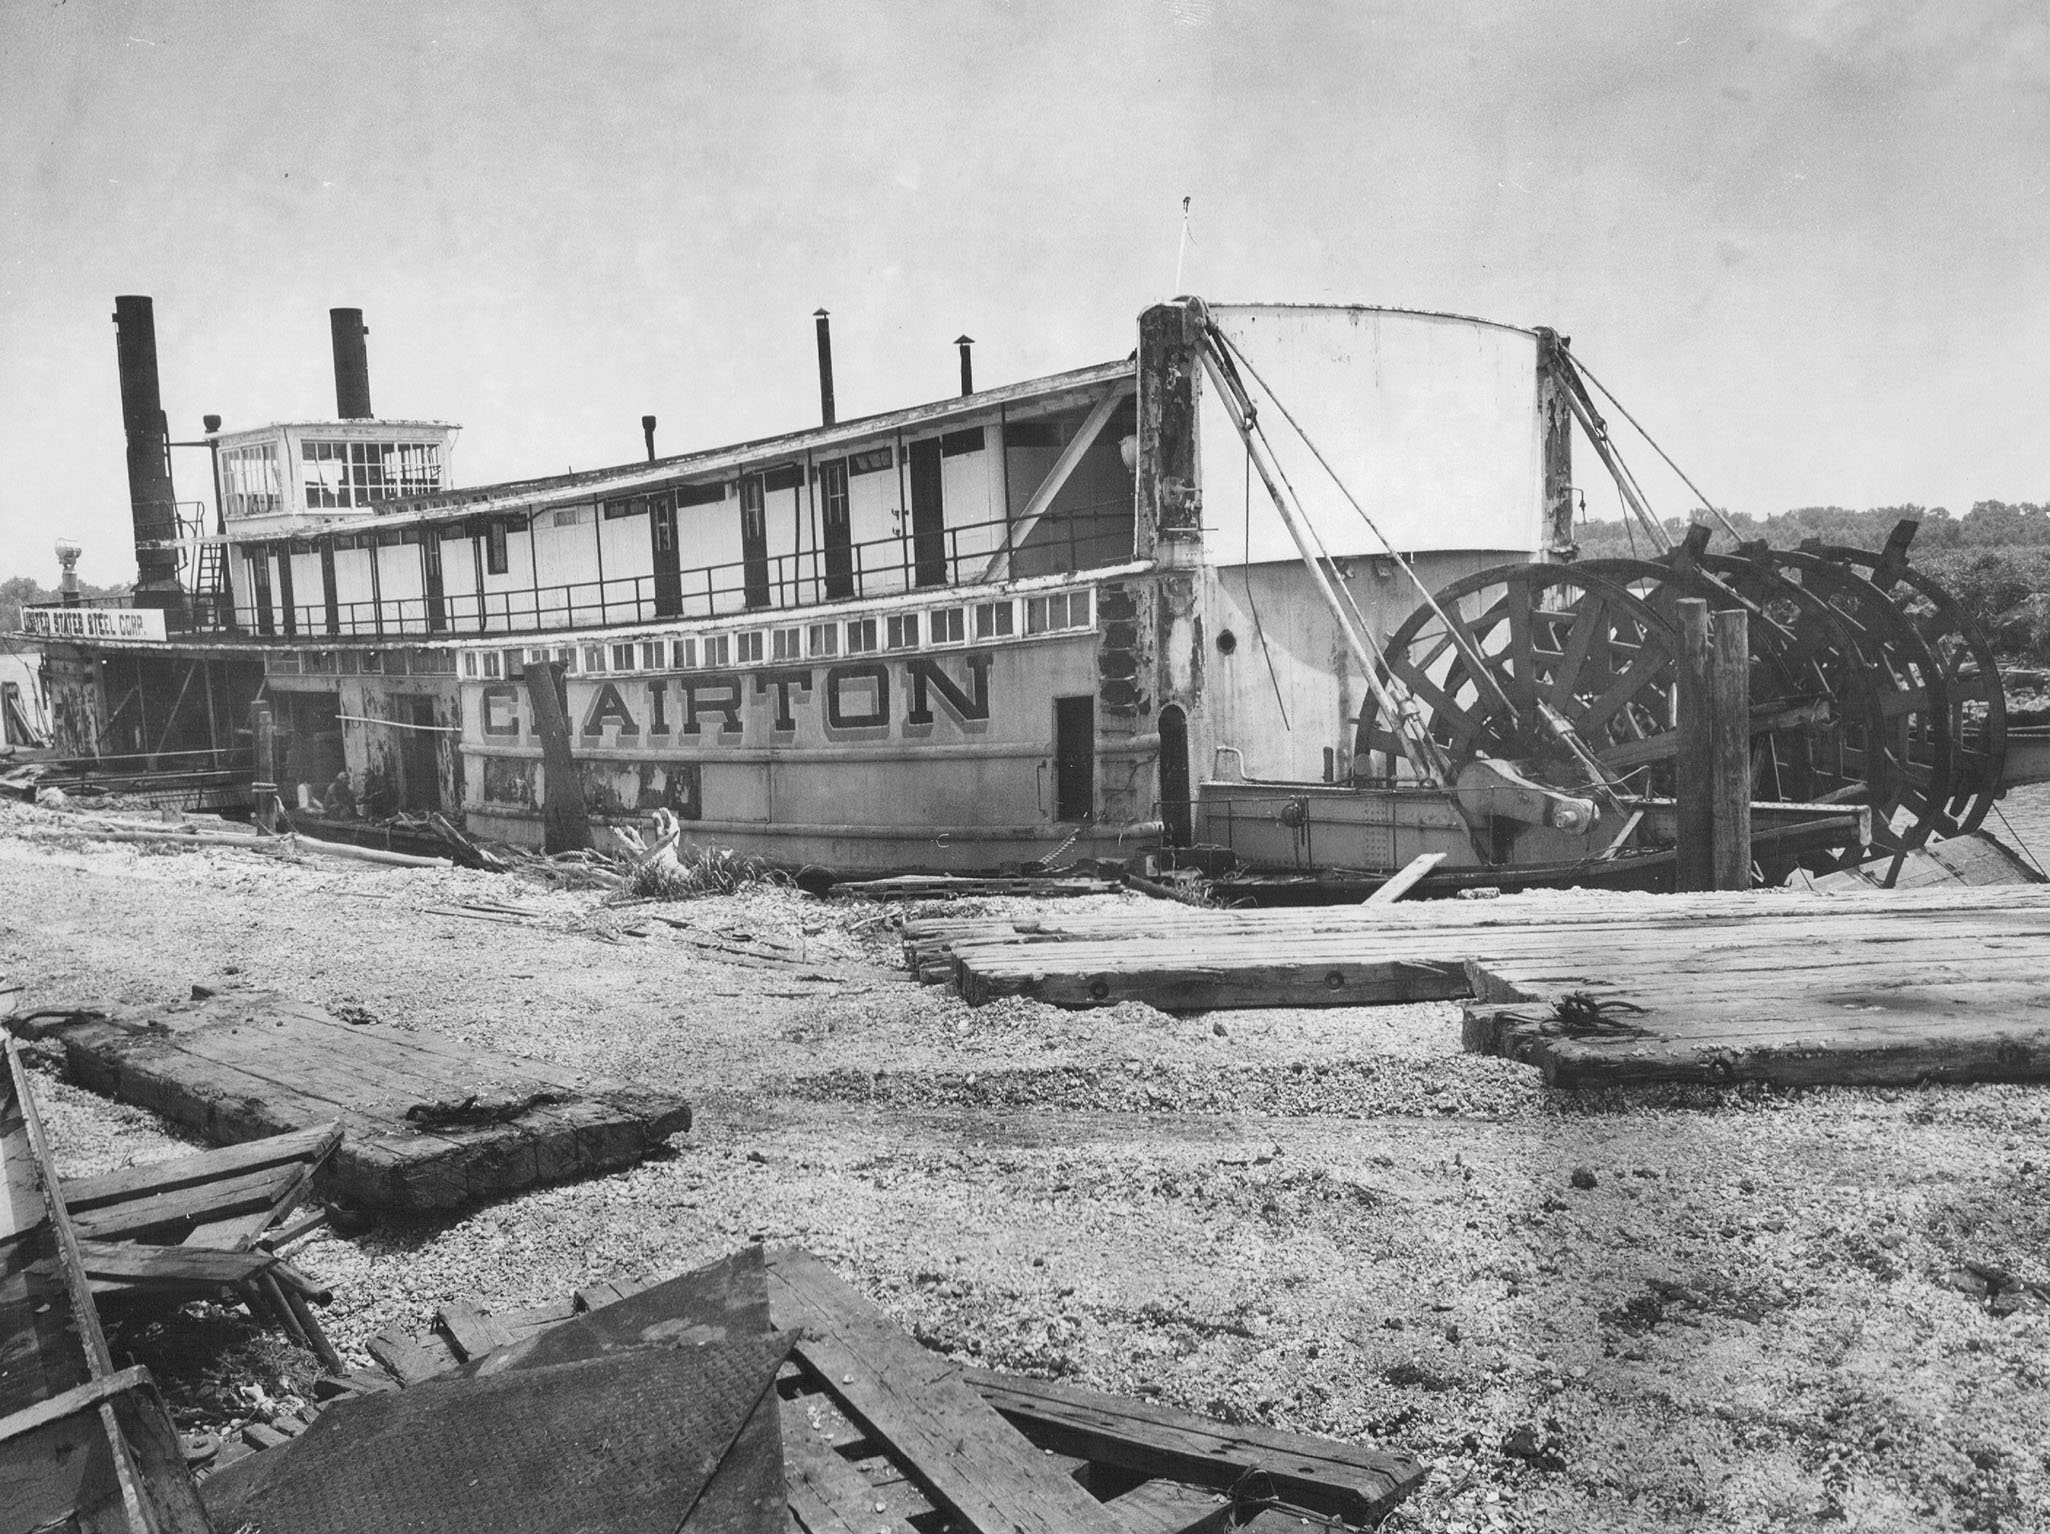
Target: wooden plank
column 827, row 1494
column 154, row 1177
column 961, row 1453
column 1324, row 1476
column 136, row 1217
column 132, row 1264
column 470, row 1330
column 1169, row 1507
column 1401, row 883
column 69, row 1403
column 410, row 1362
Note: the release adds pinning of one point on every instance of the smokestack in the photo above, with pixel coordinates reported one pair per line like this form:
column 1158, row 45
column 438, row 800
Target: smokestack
column 967, row 367
column 825, row 366
column 352, row 364
column 152, row 503
column 648, row 431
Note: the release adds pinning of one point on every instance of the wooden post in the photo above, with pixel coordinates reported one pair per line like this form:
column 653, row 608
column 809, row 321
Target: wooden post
column 263, row 735
column 566, row 823
column 1730, row 685
column 1694, row 866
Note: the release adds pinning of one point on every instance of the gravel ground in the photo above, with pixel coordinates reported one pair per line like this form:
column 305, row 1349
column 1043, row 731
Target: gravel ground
column 1659, row 1309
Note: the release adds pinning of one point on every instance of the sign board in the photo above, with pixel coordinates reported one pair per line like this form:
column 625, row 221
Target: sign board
column 94, row 622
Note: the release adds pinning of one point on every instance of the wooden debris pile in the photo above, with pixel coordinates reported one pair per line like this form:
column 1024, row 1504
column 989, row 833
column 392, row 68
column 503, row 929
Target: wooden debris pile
column 430, row 1123
column 208, row 1226
column 794, row 1404
column 83, row 1445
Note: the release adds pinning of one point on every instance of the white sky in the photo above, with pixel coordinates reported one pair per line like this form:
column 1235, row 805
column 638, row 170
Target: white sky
column 1806, row 242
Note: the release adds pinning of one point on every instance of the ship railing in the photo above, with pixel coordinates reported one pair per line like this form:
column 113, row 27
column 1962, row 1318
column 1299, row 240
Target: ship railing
column 1086, row 537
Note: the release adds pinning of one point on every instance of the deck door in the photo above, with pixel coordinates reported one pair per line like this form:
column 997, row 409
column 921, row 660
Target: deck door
column 420, row 756
column 330, row 594
column 928, row 519
column 259, row 570
column 1074, row 758
column 430, row 570
column 836, row 529
column 754, row 542
column 287, row 608
column 668, row 561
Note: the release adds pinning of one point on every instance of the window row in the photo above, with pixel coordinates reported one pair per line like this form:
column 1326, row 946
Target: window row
column 800, row 642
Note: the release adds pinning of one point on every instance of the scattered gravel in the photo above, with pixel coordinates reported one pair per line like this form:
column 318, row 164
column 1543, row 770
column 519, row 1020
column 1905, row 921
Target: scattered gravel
column 1756, row 1309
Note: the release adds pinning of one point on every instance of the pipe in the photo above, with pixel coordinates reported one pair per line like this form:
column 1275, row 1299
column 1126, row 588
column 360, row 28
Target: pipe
column 967, row 367
column 152, row 503
column 648, row 432
column 352, row 364
column 825, row 366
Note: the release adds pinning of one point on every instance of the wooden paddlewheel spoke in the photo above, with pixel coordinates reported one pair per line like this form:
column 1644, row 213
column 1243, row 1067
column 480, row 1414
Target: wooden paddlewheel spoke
column 1974, row 704
column 1531, row 634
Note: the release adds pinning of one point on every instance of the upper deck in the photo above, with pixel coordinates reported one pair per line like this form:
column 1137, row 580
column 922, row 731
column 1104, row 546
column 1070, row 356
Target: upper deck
column 1025, row 480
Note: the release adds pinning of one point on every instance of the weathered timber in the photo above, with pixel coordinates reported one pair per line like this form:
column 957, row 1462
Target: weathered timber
column 1730, row 774
column 470, row 1331
column 1350, row 955
column 410, row 1362
column 827, row 1494
column 1869, row 997
column 177, row 1210
column 1318, row 1474
column 1694, row 738
column 428, row 1123
column 1169, row 1507
column 1401, row 882
column 966, row 1457
column 133, row 1264
column 154, row 1177
column 567, row 823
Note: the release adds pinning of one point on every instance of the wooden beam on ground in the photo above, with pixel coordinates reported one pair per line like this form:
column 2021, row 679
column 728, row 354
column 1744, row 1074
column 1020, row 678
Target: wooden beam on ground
column 1404, row 880
column 1317, row 1474
column 431, row 1123
column 965, row 1456
column 1018, row 530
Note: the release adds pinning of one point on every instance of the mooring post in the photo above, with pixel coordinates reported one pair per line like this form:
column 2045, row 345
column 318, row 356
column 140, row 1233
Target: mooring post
column 1730, row 684
column 566, row 824
column 263, row 791
column 1694, row 804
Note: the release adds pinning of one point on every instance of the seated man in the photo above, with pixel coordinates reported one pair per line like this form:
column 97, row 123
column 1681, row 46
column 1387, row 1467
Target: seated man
column 340, row 803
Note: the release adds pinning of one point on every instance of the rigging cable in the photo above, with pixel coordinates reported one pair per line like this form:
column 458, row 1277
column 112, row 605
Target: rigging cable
column 1477, row 664
column 1706, row 504
column 1246, row 575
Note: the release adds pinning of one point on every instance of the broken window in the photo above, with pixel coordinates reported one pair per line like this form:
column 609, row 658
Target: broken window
column 903, row 631
column 861, row 635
